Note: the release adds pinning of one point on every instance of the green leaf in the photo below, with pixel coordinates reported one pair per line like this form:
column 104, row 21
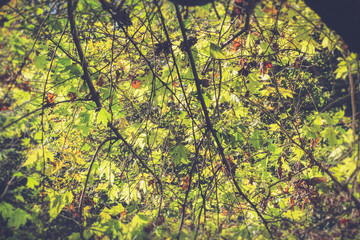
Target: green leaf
column 75, row 236
column 58, row 201
column 330, row 134
column 342, row 70
column 6, row 210
column 216, row 52
column 180, row 154
column 114, row 192
column 40, row 61
column 130, row 193
column 136, row 226
column 271, row 146
column 113, row 211
column 20, row 198
column 37, row 156
column 254, row 84
column 256, row 139
column 287, row 93
column 325, row 42
column 33, row 157
column 103, row 117
column 32, row 182
column 18, row 218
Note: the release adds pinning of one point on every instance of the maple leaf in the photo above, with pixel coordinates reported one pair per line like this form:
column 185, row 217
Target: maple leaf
column 135, row 83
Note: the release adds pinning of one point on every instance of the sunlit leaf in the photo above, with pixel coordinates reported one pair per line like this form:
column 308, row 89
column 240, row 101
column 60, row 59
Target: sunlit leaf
column 103, row 117
column 216, row 52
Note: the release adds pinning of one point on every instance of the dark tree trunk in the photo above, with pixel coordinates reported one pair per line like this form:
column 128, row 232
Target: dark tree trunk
column 341, row 16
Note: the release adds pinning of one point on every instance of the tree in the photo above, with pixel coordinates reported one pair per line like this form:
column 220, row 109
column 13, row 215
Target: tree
column 340, row 17
column 145, row 119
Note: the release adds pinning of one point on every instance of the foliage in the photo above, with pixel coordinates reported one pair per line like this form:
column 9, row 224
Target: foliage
column 146, row 120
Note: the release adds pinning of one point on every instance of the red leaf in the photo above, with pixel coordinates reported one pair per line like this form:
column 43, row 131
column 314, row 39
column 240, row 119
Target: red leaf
column 185, row 182
column 304, row 204
column 135, row 83
column 123, row 214
column 343, row 221
column 50, row 98
column 292, row 203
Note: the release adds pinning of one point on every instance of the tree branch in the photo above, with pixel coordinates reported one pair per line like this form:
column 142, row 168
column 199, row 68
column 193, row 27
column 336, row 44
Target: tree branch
column 209, row 124
column 86, row 76
column 94, row 94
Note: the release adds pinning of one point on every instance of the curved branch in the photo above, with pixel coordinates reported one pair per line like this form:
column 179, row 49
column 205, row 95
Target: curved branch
column 87, row 178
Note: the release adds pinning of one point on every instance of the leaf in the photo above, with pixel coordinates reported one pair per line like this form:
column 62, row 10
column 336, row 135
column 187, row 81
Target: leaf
column 136, row 226
column 84, row 117
column 72, row 96
column 286, row 93
column 58, row 201
column 254, row 84
column 63, row 62
column 18, row 218
column 20, row 198
column 271, row 146
column 135, row 83
column 6, row 210
column 50, row 98
column 114, row 192
column 113, row 211
column 36, row 156
column 32, row 182
column 104, row 215
column 130, row 193
column 40, row 61
column 308, row 46
column 103, row 117
column 330, row 134
column 325, row 42
column 180, row 154
column 216, row 52
column 100, row 82
column 342, row 70
column 256, row 139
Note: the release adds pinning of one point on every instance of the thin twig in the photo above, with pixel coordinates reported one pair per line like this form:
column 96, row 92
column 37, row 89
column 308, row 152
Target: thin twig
column 87, row 179
column 43, row 101
column 40, row 109
column 353, row 106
